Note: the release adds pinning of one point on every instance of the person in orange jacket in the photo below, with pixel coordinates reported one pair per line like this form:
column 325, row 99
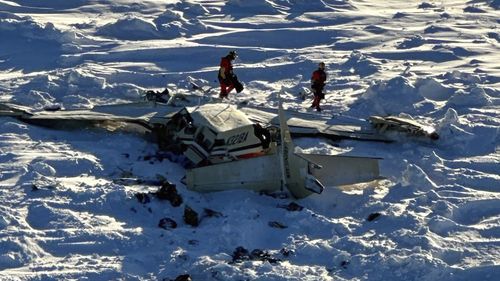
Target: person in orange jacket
column 226, row 75
column 318, row 80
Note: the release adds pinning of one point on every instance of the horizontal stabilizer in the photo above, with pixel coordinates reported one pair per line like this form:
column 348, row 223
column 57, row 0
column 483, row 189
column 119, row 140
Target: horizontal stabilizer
column 342, row 170
column 258, row 174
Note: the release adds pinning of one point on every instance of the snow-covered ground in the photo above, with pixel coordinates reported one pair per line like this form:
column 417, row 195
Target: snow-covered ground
column 63, row 215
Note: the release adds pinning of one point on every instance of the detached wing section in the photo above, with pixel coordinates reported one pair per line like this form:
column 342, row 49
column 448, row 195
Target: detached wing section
column 14, row 110
column 144, row 114
column 315, row 125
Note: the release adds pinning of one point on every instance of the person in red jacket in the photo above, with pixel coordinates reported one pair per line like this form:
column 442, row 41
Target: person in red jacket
column 318, row 80
column 226, row 75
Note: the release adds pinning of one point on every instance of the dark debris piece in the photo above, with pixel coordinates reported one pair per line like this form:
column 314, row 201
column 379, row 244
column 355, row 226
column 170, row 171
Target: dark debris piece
column 167, row 155
column 373, row 216
column 258, row 254
column 344, row 264
column 167, row 223
column 47, row 187
column 274, row 194
column 425, row 5
column 143, row 198
column 183, row 277
column 286, row 252
column 193, row 242
column 136, row 181
column 191, row 216
column 168, row 192
column 292, row 207
column 276, row 224
column 241, row 254
column 211, row 213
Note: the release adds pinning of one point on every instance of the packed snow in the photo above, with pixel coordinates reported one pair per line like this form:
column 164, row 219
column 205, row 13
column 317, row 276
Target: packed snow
column 435, row 215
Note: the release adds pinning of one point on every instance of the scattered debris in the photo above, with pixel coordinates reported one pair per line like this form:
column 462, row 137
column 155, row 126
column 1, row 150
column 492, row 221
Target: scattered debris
column 167, row 223
column 276, row 224
column 257, row 254
column 241, row 254
column 172, row 156
column 292, row 207
column 143, row 198
column 191, row 216
column 157, row 96
column 373, row 216
column 168, row 192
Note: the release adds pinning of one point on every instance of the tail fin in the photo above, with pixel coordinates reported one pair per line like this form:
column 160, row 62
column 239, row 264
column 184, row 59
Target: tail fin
column 295, row 170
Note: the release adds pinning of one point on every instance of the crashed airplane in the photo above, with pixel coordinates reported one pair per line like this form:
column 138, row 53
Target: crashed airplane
column 230, row 147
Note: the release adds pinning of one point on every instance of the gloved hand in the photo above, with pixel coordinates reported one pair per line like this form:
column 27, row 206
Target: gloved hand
column 317, row 86
column 233, row 78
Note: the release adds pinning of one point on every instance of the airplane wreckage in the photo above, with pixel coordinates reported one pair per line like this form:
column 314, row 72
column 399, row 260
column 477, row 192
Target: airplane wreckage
column 239, row 147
